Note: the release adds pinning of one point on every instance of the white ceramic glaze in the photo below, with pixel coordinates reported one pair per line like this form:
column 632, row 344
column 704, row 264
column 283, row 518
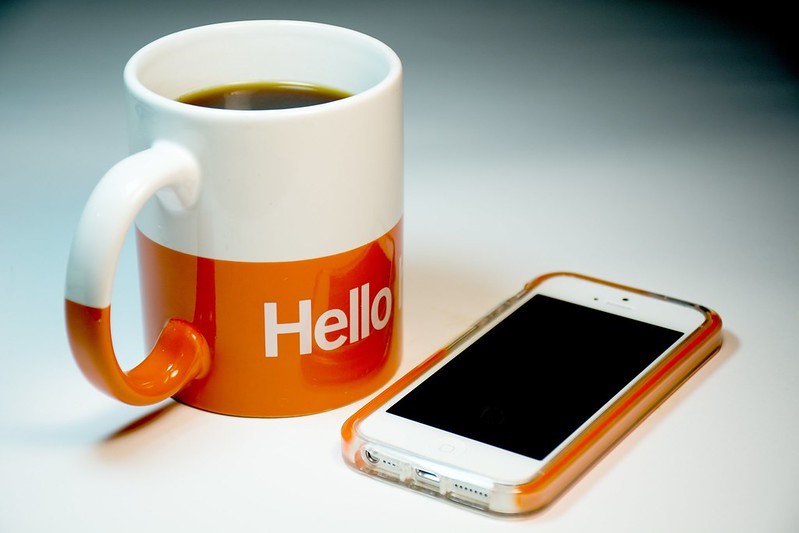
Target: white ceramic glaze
column 274, row 185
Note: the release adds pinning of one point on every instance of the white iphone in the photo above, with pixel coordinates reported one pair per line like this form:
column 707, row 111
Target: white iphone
column 505, row 418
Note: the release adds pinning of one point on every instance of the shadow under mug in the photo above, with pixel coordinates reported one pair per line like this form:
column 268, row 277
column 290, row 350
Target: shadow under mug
column 269, row 241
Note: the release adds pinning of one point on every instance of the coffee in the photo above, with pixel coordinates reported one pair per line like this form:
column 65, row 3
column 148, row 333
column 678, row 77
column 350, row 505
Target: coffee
column 263, row 95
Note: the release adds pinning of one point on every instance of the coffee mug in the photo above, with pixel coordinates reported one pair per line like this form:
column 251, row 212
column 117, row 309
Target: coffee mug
column 269, row 240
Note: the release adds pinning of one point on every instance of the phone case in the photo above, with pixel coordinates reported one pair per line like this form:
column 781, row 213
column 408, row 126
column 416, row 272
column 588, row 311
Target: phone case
column 573, row 460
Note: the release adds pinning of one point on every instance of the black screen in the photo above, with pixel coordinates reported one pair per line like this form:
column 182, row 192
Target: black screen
column 538, row 375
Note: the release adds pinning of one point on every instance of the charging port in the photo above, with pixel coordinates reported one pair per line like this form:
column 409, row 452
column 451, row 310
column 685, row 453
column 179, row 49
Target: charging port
column 428, row 476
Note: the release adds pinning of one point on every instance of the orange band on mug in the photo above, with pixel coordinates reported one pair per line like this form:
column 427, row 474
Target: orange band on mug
column 254, row 339
column 286, row 338
column 180, row 355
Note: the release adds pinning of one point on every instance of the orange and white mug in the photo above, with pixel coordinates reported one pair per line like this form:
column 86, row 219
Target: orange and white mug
column 269, row 241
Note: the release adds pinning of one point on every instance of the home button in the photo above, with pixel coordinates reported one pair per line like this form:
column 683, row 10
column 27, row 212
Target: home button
column 450, row 447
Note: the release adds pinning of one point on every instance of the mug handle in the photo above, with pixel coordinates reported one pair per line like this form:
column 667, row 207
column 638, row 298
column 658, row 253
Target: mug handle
column 181, row 353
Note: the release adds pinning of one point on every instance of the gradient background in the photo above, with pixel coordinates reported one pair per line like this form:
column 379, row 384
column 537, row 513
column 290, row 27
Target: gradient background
column 654, row 144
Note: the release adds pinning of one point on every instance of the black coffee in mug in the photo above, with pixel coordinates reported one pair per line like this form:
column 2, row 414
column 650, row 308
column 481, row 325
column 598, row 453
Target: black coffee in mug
column 263, row 95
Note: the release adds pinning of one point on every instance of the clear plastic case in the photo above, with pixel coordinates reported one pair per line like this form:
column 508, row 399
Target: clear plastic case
column 463, row 487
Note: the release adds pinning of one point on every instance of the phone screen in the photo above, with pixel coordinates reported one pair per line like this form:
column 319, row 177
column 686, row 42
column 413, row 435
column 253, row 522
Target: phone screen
column 536, row 376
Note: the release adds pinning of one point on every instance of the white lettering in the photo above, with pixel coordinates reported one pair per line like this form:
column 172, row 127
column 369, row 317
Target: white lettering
column 322, row 328
column 377, row 321
column 364, row 310
column 364, row 315
column 273, row 329
column 354, row 315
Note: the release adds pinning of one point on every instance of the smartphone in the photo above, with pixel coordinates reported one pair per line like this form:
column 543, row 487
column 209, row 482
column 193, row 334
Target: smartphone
column 510, row 414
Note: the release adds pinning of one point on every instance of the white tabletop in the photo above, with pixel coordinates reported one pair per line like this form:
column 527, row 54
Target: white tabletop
column 646, row 145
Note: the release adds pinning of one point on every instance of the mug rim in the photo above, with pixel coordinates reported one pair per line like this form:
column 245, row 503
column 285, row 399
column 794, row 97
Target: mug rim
column 139, row 90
